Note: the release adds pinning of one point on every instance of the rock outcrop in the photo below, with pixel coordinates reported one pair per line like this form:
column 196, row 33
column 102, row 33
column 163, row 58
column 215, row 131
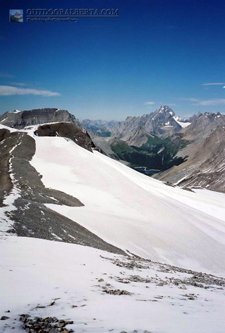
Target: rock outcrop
column 20, row 119
column 67, row 130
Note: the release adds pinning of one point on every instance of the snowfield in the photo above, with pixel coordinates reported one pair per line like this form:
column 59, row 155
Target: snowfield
column 132, row 211
column 72, row 282
column 101, row 292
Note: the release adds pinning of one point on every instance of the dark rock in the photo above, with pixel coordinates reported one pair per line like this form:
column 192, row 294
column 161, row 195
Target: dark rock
column 11, row 231
column 61, row 323
column 44, row 325
column 67, row 130
column 117, row 292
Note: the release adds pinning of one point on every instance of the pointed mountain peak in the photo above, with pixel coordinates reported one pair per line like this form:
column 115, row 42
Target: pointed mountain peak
column 165, row 109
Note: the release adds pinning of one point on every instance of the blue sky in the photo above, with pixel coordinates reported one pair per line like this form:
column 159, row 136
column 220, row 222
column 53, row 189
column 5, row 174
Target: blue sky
column 156, row 52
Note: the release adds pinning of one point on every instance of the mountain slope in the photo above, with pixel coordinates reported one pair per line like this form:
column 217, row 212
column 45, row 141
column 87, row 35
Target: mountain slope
column 133, row 212
column 23, row 208
column 205, row 155
column 53, row 182
column 83, row 286
column 55, row 186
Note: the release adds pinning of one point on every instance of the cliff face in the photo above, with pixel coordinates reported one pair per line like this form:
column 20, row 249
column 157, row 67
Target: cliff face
column 21, row 119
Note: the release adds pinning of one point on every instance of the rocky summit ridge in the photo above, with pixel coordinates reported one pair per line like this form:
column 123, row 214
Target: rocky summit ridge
column 20, row 119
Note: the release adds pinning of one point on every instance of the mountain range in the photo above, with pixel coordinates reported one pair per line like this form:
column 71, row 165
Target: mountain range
column 129, row 236
column 184, row 152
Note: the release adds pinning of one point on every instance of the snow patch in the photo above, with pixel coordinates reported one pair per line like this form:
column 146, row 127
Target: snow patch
column 181, row 123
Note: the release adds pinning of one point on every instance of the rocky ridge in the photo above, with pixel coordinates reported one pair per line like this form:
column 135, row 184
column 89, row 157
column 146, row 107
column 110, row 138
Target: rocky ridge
column 20, row 119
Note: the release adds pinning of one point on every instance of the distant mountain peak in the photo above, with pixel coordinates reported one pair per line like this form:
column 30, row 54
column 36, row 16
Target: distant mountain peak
column 166, row 110
column 164, row 113
column 135, row 130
